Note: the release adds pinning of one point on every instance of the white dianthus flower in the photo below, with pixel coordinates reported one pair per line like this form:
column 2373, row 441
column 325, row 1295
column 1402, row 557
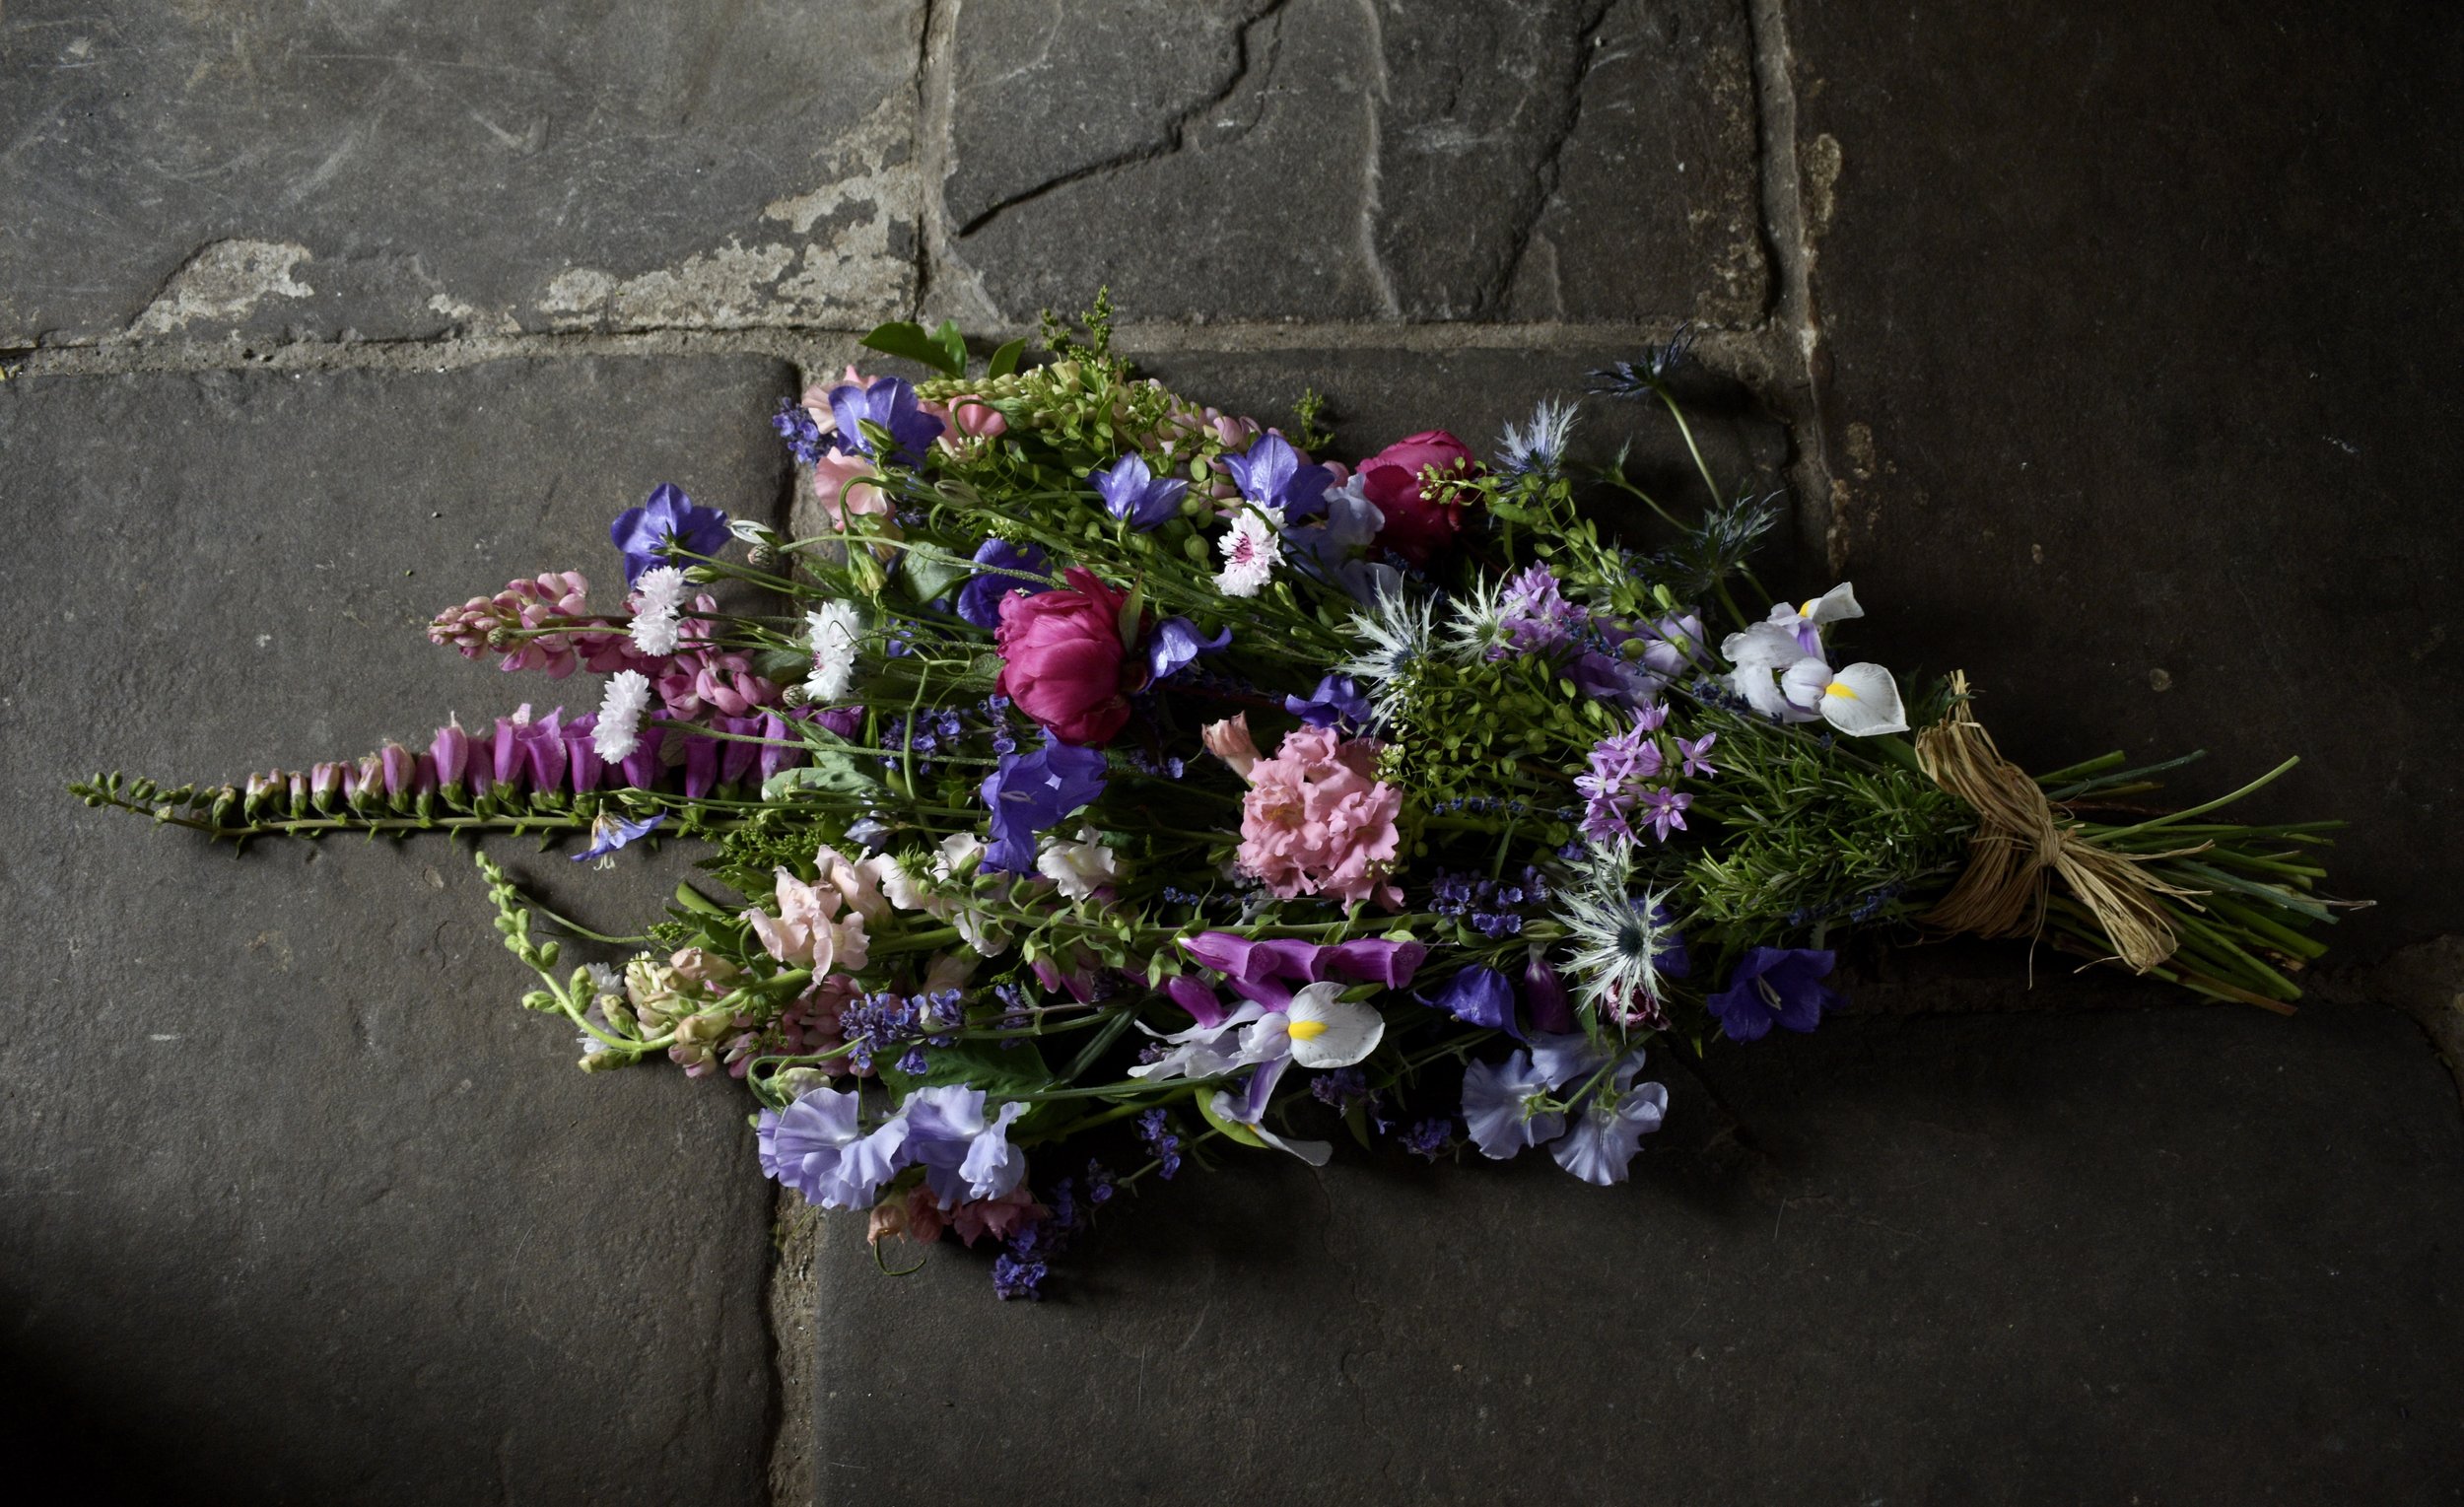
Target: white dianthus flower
column 1250, row 550
column 619, row 729
column 834, row 632
column 1080, row 866
column 657, row 598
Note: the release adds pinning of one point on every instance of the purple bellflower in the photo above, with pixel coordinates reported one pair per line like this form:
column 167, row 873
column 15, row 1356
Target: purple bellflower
column 1271, row 475
column 1776, row 985
column 1176, row 642
column 1031, row 793
column 669, row 521
column 1337, row 700
column 980, row 599
column 1133, row 494
column 889, row 405
column 610, row 831
column 1479, row 996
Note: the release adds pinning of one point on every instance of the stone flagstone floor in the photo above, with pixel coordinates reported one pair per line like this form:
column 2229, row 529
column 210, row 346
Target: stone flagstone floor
column 2105, row 352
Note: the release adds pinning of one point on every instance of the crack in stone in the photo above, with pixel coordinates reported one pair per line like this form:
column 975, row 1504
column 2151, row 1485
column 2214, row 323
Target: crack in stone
column 1551, row 170
column 1380, row 278
column 1796, row 358
column 1176, row 134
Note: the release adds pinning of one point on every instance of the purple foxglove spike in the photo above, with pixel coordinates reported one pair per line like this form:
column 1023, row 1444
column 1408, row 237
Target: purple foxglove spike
column 701, row 763
column 424, row 775
column 450, row 749
column 780, row 749
column 544, row 748
column 1192, row 995
column 735, row 755
column 583, row 768
column 505, row 753
column 640, row 767
column 396, row 764
column 1544, row 996
column 1372, row 961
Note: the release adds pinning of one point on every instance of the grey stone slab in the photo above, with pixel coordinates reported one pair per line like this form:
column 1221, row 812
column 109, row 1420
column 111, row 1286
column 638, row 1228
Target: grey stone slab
column 2174, row 1255
column 2139, row 371
column 1328, row 158
column 176, row 172
column 300, row 1206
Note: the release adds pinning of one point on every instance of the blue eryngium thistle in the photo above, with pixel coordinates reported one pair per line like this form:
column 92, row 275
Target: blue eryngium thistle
column 1538, row 448
column 1644, row 376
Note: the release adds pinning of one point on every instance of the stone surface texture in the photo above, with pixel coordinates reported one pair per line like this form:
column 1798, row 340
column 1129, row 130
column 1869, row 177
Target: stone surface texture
column 300, row 1206
column 188, row 168
column 2125, row 321
column 1977, row 1260
column 1352, row 159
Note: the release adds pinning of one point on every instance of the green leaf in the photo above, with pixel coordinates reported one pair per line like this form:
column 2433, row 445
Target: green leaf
column 1006, row 360
column 1002, row 1072
column 909, row 342
column 928, row 576
column 831, row 770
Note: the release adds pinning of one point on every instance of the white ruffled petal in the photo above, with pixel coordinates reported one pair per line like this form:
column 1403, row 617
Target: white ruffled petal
column 1326, row 1031
column 1863, row 700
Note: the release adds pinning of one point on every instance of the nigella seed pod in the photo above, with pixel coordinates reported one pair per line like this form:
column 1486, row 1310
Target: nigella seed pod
column 761, row 557
column 502, row 638
column 796, row 695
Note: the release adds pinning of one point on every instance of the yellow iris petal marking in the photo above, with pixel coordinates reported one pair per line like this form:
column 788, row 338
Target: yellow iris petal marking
column 1305, row 1030
column 1840, row 688
column 1808, row 609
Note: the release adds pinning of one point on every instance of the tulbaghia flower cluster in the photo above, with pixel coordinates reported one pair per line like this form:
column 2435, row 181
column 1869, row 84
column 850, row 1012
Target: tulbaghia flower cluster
column 1093, row 787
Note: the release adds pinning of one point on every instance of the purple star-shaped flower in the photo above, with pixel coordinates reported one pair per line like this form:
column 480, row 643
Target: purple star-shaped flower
column 669, row 521
column 889, row 405
column 1776, row 985
column 1133, row 494
column 1029, row 792
column 1665, row 809
column 609, row 832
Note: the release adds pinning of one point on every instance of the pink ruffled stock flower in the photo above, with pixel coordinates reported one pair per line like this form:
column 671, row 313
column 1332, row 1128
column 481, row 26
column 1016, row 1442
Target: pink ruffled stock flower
column 1318, row 821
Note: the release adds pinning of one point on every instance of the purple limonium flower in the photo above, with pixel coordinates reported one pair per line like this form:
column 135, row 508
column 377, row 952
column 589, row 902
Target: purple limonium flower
column 1479, row 996
column 1620, row 763
column 1031, row 793
column 1176, row 642
column 965, row 1155
column 1133, row 494
column 817, row 1146
column 1271, row 475
column 980, row 599
column 1337, row 700
column 669, row 522
column 889, row 405
column 1696, row 752
column 610, row 831
column 1501, row 1106
column 1776, row 985
column 1534, row 616
column 1428, row 1138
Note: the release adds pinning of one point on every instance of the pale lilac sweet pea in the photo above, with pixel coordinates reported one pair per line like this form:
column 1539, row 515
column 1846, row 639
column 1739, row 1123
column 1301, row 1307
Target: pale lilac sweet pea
column 1335, row 547
column 965, row 1154
column 1134, row 493
column 1501, row 1107
column 818, row 1147
column 1609, row 1126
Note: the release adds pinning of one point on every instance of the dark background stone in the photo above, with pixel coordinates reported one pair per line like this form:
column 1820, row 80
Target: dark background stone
column 1983, row 1259
column 300, row 1206
column 1327, row 158
column 2136, row 328
column 414, row 169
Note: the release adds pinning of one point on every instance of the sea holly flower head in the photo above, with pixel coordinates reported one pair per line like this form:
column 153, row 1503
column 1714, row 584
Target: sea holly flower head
column 1135, row 494
column 670, row 523
column 888, row 403
column 1776, row 985
column 1537, row 449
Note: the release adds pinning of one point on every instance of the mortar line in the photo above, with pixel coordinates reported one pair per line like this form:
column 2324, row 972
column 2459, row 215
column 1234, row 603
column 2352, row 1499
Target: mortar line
column 1797, row 357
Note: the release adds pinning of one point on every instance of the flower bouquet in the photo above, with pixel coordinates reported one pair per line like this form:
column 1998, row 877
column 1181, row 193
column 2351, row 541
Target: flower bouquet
column 1105, row 784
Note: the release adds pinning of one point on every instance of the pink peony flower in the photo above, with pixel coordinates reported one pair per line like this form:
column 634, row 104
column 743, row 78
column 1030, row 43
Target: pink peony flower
column 1063, row 661
column 1420, row 519
column 1318, row 821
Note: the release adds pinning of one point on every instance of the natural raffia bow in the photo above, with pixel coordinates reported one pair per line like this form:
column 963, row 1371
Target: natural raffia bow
column 2021, row 845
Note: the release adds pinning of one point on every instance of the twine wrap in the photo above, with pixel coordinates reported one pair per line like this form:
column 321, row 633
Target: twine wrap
column 2021, row 845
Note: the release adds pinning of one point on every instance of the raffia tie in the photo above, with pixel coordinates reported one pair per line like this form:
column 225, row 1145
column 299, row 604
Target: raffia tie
column 2020, row 845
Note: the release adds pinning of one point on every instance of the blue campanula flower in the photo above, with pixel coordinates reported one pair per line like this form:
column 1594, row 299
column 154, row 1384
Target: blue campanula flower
column 1479, row 996
column 1008, row 568
column 668, row 523
column 1337, row 700
column 889, row 405
column 1271, row 475
column 1031, row 793
column 1133, row 493
column 1776, row 985
column 610, row 831
column 1175, row 643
